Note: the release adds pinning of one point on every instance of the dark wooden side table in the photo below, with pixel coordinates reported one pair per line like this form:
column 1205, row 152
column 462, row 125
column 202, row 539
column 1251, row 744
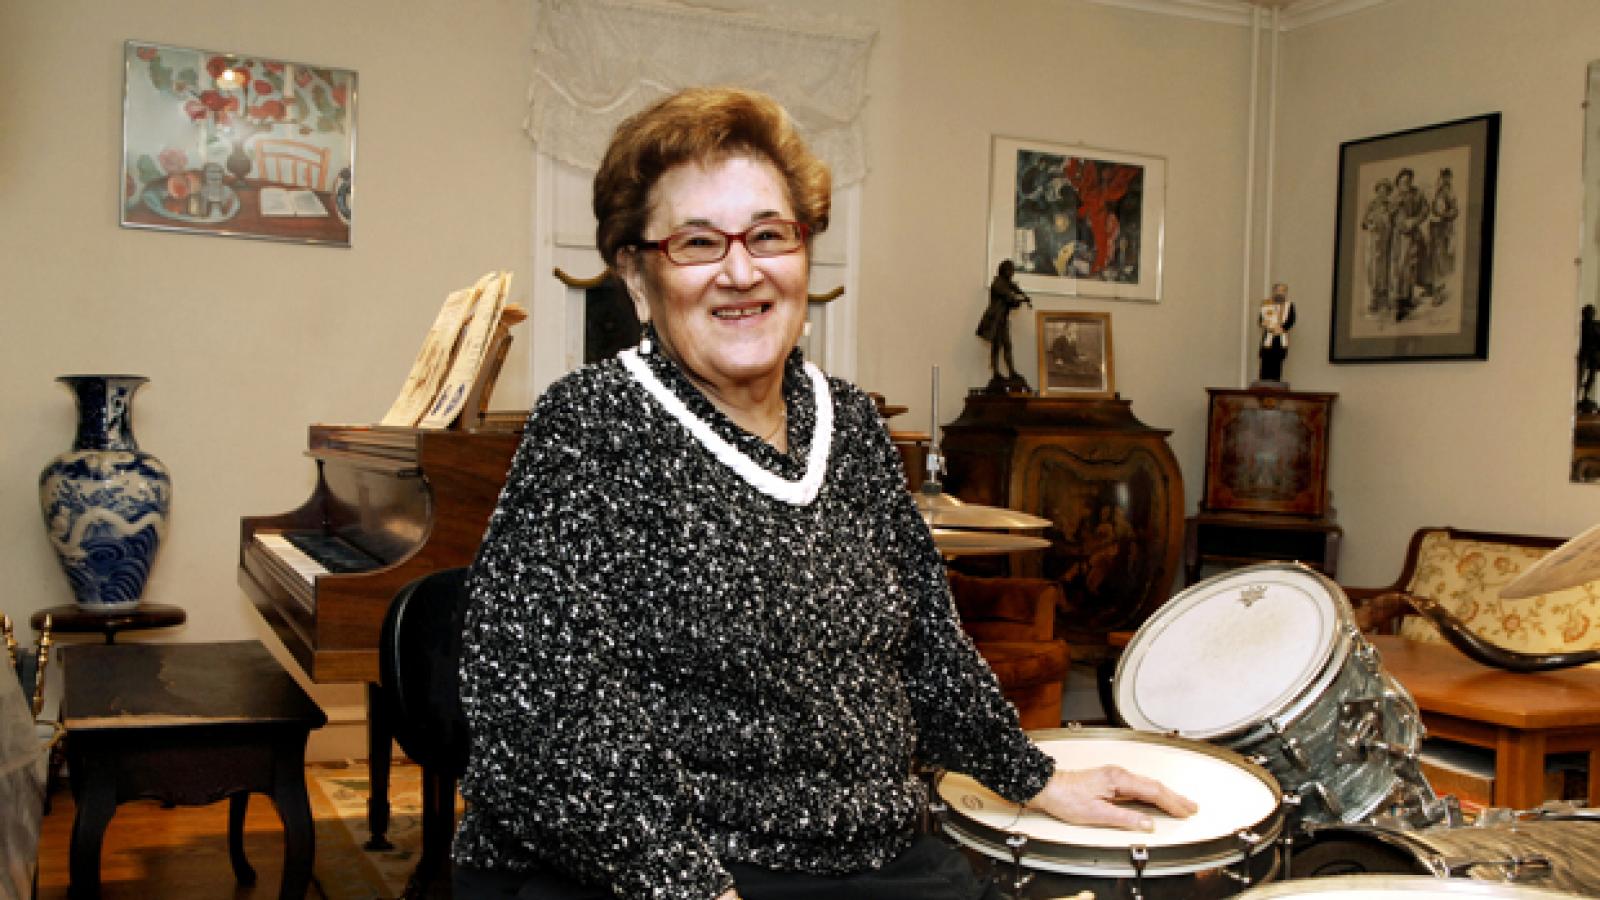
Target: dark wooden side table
column 1237, row 539
column 186, row 724
column 69, row 618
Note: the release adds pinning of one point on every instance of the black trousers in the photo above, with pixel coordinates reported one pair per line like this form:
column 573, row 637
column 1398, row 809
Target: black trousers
column 929, row 870
column 1272, row 363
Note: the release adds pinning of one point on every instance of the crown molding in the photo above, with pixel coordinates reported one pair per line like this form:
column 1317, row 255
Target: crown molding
column 1291, row 14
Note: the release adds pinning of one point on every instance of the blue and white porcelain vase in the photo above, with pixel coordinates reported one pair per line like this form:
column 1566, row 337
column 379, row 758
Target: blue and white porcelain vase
column 105, row 501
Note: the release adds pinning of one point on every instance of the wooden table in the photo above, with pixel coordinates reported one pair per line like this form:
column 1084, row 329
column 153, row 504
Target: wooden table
column 249, row 220
column 1521, row 716
column 186, row 724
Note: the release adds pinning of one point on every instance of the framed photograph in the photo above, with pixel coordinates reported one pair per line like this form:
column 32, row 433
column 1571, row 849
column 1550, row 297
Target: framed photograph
column 1077, row 221
column 1075, row 354
column 235, row 145
column 1414, row 244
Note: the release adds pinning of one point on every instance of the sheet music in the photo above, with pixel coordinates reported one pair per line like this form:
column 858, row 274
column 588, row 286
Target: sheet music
column 433, row 361
column 470, row 354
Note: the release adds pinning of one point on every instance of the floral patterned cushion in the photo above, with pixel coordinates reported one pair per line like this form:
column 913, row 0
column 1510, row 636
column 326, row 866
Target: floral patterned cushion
column 1465, row 576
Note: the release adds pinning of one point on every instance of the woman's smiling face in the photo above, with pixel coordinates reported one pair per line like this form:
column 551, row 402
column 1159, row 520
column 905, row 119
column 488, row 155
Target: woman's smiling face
column 733, row 322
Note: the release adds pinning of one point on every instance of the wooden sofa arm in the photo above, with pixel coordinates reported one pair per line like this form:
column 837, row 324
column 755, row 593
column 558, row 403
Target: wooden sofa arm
column 1378, row 610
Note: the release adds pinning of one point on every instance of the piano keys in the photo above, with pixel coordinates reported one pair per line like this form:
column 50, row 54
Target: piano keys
column 391, row 505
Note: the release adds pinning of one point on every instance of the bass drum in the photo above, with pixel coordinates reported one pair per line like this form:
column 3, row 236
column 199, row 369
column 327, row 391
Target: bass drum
column 1554, row 854
column 1233, row 836
column 1267, row 661
column 1393, row 887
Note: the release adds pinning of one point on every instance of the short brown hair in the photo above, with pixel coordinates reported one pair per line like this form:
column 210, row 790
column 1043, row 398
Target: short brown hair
column 701, row 125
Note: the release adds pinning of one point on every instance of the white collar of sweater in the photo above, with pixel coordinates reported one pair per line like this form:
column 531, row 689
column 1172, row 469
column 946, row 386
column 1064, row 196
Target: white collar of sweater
column 795, row 493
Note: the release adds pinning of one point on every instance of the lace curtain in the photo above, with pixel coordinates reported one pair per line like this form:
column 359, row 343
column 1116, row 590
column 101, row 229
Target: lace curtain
column 598, row 61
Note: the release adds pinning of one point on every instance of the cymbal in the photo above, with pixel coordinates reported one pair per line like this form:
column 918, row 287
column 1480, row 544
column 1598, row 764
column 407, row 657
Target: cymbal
column 983, row 543
column 944, row 510
column 1574, row 563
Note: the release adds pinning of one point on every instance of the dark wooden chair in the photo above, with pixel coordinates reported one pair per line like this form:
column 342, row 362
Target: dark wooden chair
column 1012, row 621
column 418, row 654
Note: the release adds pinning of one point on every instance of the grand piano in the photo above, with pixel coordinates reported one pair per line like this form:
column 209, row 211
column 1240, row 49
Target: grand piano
column 390, row 506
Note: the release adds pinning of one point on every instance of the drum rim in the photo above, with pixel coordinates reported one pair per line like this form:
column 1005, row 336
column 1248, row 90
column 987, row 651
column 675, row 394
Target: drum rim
column 1164, row 860
column 1428, row 854
column 1339, row 646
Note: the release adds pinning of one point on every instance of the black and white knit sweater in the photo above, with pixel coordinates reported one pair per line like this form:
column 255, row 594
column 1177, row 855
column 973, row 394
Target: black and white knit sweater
column 680, row 654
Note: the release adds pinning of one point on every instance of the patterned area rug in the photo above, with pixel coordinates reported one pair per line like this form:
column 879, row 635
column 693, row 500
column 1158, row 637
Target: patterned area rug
column 339, row 793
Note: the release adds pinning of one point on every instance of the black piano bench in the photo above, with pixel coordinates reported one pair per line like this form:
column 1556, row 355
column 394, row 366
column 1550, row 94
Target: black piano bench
column 186, row 724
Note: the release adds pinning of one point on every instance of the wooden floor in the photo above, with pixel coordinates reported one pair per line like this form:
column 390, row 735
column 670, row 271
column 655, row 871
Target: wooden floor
column 152, row 853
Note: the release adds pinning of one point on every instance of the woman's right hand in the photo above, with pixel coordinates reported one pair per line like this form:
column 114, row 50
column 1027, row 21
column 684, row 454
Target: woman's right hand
column 728, row 895
column 1090, row 797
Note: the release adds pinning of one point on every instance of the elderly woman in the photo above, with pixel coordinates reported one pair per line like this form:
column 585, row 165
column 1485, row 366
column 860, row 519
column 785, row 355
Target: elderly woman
column 709, row 630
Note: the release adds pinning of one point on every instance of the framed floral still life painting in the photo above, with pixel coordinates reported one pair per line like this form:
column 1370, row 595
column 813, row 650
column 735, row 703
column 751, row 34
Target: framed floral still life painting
column 242, row 146
column 1077, row 221
column 1075, row 354
column 1414, row 244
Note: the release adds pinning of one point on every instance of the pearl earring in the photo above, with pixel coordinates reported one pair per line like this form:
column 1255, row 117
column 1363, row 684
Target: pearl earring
column 645, row 344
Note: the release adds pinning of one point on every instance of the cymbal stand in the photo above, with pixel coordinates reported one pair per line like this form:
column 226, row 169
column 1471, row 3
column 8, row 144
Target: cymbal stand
column 933, row 485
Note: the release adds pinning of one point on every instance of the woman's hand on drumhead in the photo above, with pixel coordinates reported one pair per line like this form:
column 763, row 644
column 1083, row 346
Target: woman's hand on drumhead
column 1090, row 797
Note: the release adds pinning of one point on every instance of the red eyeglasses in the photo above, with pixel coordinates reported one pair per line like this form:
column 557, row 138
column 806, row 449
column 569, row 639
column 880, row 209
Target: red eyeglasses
column 703, row 244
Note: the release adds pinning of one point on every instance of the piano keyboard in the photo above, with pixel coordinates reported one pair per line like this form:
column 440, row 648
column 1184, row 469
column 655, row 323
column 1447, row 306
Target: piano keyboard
column 301, row 557
column 334, row 554
column 287, row 554
column 311, row 554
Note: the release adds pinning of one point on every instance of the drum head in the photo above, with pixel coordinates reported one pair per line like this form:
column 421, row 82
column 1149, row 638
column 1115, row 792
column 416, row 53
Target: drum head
column 1393, row 887
column 1232, row 793
column 1231, row 651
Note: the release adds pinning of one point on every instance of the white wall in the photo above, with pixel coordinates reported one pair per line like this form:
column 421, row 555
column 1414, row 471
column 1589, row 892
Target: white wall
column 1480, row 445
column 946, row 76
column 247, row 342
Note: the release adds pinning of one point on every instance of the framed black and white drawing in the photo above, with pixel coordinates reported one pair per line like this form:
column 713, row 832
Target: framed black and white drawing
column 1077, row 221
column 1414, row 244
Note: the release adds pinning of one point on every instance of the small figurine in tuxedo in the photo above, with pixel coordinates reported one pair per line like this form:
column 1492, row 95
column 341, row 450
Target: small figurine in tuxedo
column 1277, row 317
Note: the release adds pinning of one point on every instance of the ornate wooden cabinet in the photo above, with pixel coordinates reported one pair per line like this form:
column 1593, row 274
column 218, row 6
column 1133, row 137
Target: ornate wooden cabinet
column 1267, row 452
column 1108, row 482
column 1266, row 491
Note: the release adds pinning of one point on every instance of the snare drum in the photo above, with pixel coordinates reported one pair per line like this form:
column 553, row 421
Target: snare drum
column 1210, row 854
column 1392, row 887
column 1558, row 854
column 1267, row 661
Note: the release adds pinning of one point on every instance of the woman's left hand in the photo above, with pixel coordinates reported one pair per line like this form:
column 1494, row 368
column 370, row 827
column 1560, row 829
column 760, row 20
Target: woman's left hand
column 1089, row 797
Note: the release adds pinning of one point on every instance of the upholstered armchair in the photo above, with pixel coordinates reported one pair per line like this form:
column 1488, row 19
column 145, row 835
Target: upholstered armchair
column 1012, row 621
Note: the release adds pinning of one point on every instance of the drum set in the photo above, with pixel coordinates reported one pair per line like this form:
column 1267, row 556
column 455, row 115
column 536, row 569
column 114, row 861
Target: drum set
column 1254, row 694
